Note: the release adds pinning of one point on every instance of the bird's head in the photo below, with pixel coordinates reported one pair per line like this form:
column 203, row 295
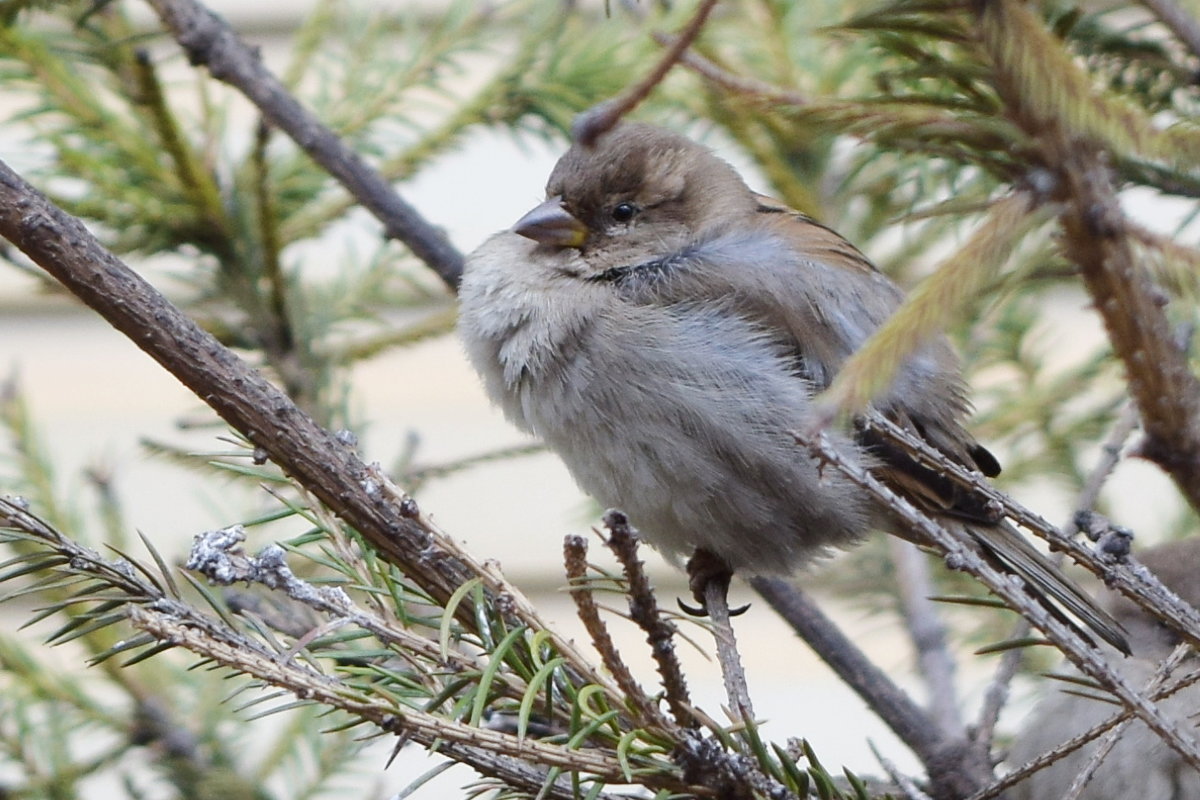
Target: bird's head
column 637, row 192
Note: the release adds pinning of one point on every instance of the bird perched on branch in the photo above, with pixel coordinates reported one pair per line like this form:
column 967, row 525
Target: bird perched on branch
column 1140, row 764
column 664, row 329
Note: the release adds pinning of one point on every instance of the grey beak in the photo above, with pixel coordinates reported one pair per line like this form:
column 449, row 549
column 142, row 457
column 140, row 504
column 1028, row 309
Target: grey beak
column 551, row 223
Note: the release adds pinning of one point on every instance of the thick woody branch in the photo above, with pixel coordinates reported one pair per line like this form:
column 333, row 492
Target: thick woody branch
column 209, row 40
column 1097, row 237
column 325, row 466
column 329, row 468
column 1166, row 391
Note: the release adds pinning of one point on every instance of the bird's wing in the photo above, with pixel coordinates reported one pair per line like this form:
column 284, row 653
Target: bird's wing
column 927, row 397
column 932, row 406
column 820, row 298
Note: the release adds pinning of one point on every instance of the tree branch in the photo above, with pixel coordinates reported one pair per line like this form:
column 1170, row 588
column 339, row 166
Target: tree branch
column 1131, row 579
column 209, row 40
column 62, row 246
column 603, row 116
column 935, row 661
column 947, row 762
column 963, row 555
column 1098, row 238
column 1161, row 382
column 643, row 610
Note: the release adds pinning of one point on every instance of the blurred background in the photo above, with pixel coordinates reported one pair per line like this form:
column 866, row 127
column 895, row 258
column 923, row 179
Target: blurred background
column 114, row 425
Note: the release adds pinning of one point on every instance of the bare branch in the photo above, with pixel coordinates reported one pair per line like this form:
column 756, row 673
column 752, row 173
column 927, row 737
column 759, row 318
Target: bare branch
column 738, row 85
column 906, row 785
column 575, row 558
column 209, row 40
column 1130, row 578
column 1069, row 746
column 1110, row 456
column 945, row 760
column 935, row 661
column 643, row 609
column 996, row 694
column 716, row 601
column 961, row 554
column 601, row 117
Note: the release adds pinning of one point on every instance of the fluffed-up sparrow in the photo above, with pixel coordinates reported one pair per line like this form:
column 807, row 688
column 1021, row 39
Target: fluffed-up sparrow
column 664, row 329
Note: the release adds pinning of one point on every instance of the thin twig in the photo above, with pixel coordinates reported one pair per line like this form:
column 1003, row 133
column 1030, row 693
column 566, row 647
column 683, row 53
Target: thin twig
column 505, row 595
column 643, row 610
column 905, row 783
column 209, row 40
column 1075, row 742
column 575, row 560
column 995, row 697
column 1130, row 578
column 963, row 555
column 942, row 758
column 218, row 556
column 230, row 649
column 1110, row 456
column 1107, row 743
column 522, row 761
column 598, row 119
column 716, row 601
column 996, row 694
column 738, row 85
column 1113, row 736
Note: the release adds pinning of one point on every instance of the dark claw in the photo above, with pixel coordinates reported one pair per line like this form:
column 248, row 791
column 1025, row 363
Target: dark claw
column 701, row 611
column 692, row 611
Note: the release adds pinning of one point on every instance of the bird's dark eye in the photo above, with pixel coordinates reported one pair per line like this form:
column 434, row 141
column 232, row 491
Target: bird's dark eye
column 623, row 212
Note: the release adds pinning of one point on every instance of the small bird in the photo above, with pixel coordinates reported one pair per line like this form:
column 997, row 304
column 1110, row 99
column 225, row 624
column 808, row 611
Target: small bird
column 1141, row 764
column 663, row 329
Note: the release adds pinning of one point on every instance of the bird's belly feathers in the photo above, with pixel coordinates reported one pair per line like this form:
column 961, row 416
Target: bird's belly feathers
column 681, row 417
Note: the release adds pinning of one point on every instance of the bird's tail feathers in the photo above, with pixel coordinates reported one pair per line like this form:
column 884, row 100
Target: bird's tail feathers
column 1007, row 548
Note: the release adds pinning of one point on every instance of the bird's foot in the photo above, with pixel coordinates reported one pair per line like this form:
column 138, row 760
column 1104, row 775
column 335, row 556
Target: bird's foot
column 706, row 570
